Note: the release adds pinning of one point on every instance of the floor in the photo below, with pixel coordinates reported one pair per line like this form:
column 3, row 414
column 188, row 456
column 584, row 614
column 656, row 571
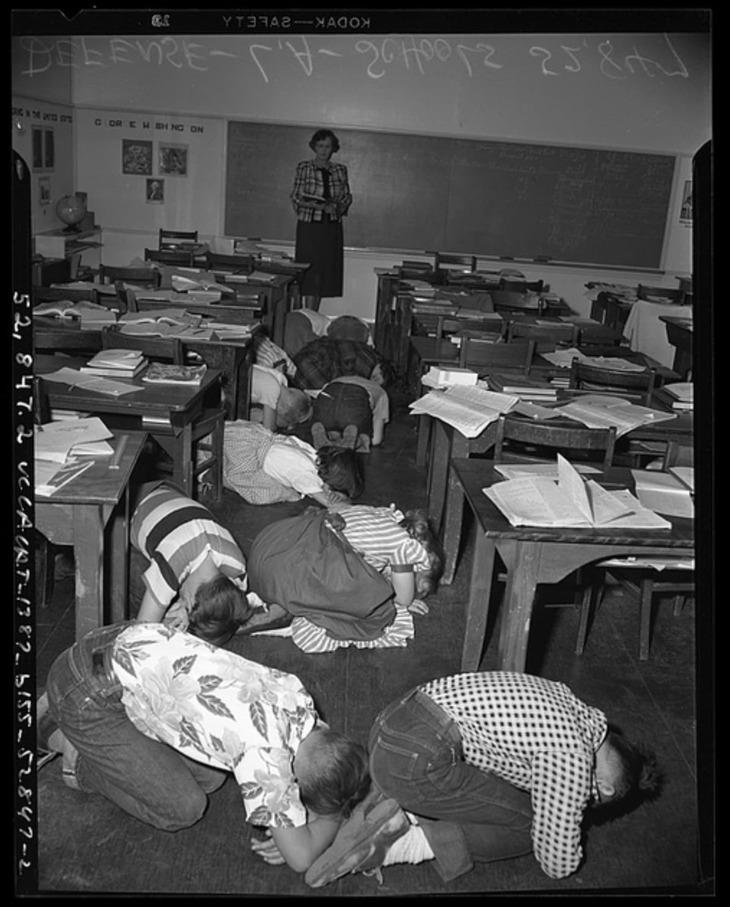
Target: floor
column 87, row 845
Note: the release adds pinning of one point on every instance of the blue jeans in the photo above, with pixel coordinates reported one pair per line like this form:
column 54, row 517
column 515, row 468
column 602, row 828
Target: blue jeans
column 148, row 779
column 416, row 758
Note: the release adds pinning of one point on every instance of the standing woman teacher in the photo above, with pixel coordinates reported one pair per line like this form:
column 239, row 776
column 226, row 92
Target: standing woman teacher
column 321, row 198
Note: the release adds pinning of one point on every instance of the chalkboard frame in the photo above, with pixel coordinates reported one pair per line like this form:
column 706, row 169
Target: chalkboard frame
column 421, row 205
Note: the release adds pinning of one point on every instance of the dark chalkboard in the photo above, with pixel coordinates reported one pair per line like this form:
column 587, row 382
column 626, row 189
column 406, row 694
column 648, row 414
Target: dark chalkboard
column 419, row 192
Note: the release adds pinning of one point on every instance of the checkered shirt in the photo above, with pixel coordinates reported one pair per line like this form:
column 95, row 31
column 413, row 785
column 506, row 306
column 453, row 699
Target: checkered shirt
column 309, row 179
column 535, row 734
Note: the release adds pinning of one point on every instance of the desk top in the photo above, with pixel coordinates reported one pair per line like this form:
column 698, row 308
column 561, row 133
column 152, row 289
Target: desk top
column 474, row 475
column 100, row 484
column 151, row 400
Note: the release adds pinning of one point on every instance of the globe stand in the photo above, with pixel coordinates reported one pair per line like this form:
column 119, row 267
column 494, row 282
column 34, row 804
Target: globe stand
column 73, row 228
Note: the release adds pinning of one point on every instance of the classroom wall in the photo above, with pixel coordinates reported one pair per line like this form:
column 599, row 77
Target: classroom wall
column 634, row 91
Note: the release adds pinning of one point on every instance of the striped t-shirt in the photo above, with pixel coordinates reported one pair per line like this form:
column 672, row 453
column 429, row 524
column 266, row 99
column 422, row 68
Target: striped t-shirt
column 375, row 533
column 177, row 534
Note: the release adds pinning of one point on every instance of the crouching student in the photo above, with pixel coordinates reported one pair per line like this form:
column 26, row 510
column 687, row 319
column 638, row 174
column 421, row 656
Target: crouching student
column 157, row 739
column 351, row 410
column 487, row 766
column 268, row 468
column 351, row 577
column 196, row 576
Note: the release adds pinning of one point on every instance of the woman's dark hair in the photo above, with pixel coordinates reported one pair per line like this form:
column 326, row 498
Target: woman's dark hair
column 218, row 610
column 341, row 469
column 320, row 135
column 417, row 526
column 337, row 777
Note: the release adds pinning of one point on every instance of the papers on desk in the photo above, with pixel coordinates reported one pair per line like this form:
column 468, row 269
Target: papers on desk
column 467, row 409
column 570, row 501
column 602, row 411
column 58, row 441
column 564, row 358
column 50, row 477
column 75, row 378
column 548, row 470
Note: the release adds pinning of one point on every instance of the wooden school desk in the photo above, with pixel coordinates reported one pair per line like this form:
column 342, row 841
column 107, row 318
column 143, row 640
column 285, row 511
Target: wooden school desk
column 92, row 513
column 166, row 411
column 536, row 555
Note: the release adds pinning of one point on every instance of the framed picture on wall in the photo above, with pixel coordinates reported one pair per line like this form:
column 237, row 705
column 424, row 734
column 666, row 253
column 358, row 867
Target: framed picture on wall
column 44, row 190
column 44, row 149
column 172, row 160
column 137, row 157
column 155, row 191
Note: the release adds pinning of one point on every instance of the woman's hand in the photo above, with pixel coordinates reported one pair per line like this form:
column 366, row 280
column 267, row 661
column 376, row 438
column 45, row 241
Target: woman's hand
column 331, row 209
column 266, row 849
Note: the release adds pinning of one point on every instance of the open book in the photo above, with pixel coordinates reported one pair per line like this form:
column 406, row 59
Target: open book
column 604, row 411
column 570, row 502
column 468, row 409
column 664, row 492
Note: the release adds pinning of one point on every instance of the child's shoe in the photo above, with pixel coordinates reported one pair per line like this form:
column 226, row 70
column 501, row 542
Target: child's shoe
column 349, row 436
column 361, row 842
column 319, row 436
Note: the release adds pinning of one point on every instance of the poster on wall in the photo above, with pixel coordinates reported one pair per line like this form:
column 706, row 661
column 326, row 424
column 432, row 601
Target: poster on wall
column 173, row 160
column 136, row 157
column 44, row 149
column 155, row 190
column 44, row 190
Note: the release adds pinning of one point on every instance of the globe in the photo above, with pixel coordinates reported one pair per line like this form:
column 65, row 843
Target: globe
column 70, row 210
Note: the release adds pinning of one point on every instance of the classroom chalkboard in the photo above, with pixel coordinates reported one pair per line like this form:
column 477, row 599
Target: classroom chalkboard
column 502, row 199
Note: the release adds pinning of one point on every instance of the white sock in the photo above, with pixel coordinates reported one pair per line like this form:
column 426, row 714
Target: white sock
column 412, row 847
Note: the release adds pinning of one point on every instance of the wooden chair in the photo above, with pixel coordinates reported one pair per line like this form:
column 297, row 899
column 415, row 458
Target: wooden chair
column 235, row 313
column 149, row 278
column 508, row 301
column 635, row 385
column 157, row 349
column 546, row 336
column 235, row 362
column 534, row 438
column 172, row 239
column 484, row 355
column 50, row 271
column 170, row 256
column 52, row 337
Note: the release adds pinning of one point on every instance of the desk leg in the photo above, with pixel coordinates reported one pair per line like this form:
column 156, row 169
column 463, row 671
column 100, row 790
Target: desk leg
column 453, row 518
column 519, row 599
column 119, row 560
column 89, row 557
column 424, row 437
column 478, row 608
column 438, row 467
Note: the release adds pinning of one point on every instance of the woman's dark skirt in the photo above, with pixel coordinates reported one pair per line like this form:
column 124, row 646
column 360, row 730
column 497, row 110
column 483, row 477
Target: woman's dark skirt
column 321, row 245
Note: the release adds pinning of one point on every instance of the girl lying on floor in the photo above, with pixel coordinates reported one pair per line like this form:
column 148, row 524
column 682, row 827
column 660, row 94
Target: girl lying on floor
column 268, row 468
column 350, row 577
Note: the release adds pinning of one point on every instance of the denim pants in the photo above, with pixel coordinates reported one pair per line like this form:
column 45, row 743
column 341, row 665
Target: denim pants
column 148, row 779
column 416, row 758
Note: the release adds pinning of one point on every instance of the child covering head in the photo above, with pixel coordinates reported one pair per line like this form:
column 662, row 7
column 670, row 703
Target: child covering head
column 196, row 573
column 268, row 468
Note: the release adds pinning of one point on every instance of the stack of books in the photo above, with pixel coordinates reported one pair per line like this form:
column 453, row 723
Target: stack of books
column 678, row 396
column 116, row 363
column 161, row 373
column 538, row 390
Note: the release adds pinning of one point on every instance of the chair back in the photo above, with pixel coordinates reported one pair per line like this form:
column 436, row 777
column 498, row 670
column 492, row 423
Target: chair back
column 158, row 349
column 172, row 239
column 516, row 301
column 41, row 406
column 483, row 354
column 235, row 362
column 149, row 278
column 73, row 294
column 230, row 314
column 57, row 338
column 539, row 440
column 467, row 262
column 521, row 285
column 545, row 335
column 631, row 385
column 233, row 264
column 170, row 256
column 663, row 294
column 493, row 327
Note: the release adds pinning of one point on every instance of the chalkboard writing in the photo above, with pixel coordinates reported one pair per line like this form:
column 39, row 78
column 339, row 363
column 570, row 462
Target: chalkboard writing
column 416, row 192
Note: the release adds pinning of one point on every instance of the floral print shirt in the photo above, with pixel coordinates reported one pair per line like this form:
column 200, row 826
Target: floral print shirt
column 220, row 709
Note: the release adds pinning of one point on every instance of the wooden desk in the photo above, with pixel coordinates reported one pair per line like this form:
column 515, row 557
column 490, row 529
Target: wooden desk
column 92, row 514
column 679, row 334
column 51, row 334
column 533, row 556
column 447, row 443
column 166, row 411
